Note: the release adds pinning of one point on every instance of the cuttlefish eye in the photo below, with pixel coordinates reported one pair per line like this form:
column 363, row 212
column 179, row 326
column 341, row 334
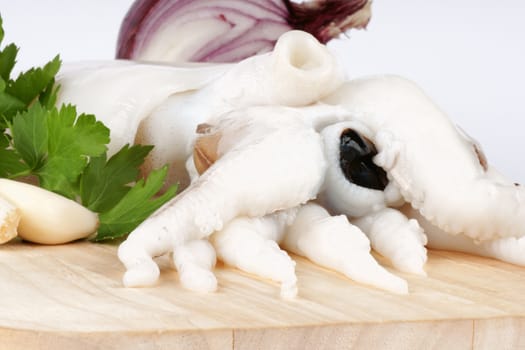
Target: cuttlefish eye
column 355, row 158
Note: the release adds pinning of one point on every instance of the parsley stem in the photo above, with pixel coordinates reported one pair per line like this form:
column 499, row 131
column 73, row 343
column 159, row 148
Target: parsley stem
column 22, row 173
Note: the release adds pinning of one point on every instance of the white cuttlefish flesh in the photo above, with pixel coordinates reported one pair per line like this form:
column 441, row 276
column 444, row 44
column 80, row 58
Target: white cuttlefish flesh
column 282, row 153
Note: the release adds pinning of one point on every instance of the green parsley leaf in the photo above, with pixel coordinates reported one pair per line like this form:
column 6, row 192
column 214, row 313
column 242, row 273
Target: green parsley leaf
column 17, row 95
column 56, row 145
column 71, row 141
column 31, row 83
column 2, row 33
column 30, row 135
column 103, row 184
column 48, row 97
column 7, row 61
column 10, row 161
column 9, row 106
column 135, row 206
column 67, row 152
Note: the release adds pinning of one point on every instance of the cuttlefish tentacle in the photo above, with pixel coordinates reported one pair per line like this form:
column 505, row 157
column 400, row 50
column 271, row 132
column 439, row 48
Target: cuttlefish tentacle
column 333, row 242
column 396, row 237
column 194, row 262
column 278, row 141
column 437, row 169
column 508, row 249
column 251, row 244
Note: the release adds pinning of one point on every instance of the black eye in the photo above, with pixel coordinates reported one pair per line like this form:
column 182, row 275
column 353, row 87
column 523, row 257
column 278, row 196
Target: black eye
column 355, row 158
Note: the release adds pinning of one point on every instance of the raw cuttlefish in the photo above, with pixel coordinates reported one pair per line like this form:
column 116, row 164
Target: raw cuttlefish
column 282, row 153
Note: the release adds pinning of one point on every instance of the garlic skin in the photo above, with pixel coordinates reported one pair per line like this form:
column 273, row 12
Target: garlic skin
column 9, row 219
column 46, row 217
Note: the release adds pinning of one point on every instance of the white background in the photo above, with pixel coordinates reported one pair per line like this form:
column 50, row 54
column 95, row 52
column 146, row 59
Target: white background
column 468, row 55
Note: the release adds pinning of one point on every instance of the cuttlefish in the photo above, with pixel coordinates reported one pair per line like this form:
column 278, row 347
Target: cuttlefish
column 283, row 153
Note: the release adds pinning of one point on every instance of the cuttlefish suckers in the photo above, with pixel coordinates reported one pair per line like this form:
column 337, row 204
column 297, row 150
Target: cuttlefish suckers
column 356, row 154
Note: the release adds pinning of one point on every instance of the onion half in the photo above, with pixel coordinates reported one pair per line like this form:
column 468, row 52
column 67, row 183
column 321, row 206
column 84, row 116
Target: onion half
column 177, row 31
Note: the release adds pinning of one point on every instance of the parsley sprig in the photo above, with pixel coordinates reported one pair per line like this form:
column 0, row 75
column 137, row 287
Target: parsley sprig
column 66, row 151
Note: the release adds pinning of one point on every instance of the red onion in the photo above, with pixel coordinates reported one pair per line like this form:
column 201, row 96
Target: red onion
column 228, row 30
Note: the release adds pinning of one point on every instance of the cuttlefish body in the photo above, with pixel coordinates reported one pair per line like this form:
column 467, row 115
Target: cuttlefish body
column 286, row 155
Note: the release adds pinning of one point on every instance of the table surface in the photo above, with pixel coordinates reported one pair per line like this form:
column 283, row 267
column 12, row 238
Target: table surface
column 72, row 295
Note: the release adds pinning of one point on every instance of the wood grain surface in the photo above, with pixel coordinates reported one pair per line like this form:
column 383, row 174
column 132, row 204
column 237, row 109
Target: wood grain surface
column 71, row 297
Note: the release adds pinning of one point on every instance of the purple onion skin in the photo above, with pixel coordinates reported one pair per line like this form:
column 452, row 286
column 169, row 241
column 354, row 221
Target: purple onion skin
column 257, row 23
column 327, row 19
column 132, row 23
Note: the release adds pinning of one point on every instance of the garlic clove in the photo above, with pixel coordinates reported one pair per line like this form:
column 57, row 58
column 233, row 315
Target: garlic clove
column 46, row 217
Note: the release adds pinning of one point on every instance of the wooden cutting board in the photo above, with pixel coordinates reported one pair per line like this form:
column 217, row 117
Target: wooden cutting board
column 71, row 297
